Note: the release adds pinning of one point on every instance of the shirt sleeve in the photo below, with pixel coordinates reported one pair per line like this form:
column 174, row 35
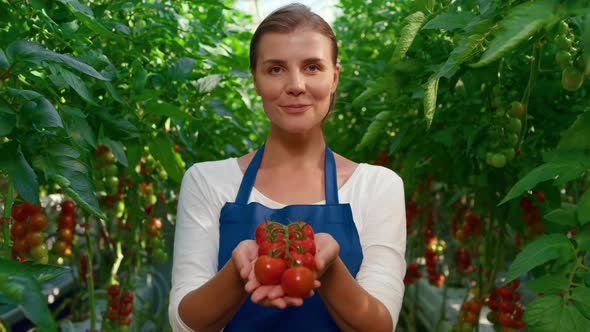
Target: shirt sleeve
column 383, row 241
column 196, row 241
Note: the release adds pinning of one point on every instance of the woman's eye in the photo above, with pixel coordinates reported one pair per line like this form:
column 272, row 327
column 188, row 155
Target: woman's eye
column 275, row 69
column 312, row 68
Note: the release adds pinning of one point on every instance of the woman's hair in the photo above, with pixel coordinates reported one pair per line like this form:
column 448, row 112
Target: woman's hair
column 285, row 20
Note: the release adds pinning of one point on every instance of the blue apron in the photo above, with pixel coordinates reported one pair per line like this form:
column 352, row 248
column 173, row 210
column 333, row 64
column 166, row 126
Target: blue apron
column 238, row 222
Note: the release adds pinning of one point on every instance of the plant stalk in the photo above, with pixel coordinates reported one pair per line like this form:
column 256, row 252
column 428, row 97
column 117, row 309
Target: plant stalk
column 8, row 201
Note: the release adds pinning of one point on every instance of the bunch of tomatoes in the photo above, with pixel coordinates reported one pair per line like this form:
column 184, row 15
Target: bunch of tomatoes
column 119, row 309
column 155, row 240
column 569, row 58
column 26, row 232
column 66, row 224
column 286, row 256
column 468, row 315
column 502, row 151
column 506, row 310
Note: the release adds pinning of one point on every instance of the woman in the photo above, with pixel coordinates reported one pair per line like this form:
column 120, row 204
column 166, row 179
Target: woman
column 356, row 210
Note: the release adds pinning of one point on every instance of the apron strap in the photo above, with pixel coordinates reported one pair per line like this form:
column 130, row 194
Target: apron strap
column 331, row 183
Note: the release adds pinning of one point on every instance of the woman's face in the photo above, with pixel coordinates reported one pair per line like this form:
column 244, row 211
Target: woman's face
column 295, row 77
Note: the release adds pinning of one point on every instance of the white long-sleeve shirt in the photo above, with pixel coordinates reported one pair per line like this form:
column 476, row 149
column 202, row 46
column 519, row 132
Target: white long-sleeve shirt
column 375, row 194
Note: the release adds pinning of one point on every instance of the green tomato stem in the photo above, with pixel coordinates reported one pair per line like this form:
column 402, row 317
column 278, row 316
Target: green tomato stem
column 527, row 92
column 90, row 279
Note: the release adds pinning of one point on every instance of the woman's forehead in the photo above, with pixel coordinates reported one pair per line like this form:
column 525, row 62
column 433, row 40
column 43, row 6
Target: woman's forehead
column 299, row 44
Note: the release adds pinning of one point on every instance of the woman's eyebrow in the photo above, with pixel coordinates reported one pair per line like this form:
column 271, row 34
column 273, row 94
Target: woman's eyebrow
column 283, row 62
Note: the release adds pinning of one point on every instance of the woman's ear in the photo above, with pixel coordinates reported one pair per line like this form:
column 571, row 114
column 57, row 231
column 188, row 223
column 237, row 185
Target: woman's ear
column 337, row 68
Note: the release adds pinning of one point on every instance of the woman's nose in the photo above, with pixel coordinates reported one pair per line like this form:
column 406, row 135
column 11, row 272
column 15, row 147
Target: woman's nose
column 296, row 84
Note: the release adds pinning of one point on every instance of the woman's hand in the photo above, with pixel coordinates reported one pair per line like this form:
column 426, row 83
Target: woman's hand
column 327, row 250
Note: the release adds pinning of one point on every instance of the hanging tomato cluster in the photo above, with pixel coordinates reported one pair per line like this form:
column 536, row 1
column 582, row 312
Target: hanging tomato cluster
column 570, row 58
column 156, row 241
column 412, row 274
column 66, row 224
column 119, row 309
column 506, row 310
column 434, row 249
column 106, row 172
column 26, row 232
column 468, row 316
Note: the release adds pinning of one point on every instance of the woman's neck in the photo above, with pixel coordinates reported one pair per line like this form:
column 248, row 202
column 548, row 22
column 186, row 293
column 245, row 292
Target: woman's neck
column 286, row 150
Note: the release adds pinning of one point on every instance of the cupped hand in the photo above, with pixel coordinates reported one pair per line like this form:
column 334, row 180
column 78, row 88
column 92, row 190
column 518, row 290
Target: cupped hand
column 327, row 251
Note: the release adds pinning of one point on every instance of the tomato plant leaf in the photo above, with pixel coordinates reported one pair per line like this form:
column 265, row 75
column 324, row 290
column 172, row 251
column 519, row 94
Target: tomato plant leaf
column 35, row 53
column 581, row 299
column 182, row 69
column 449, row 21
column 208, row 83
column 584, row 208
column 519, row 25
column 430, row 93
column 27, row 94
column 117, row 148
column 542, row 173
column 412, row 24
column 576, row 136
column 540, row 251
column 73, row 81
column 549, row 283
column 40, row 113
column 7, row 119
column 565, row 216
column 41, row 272
column 548, row 313
column 582, row 238
column 468, row 47
column 19, row 170
column 86, row 17
column 3, row 60
column 375, row 129
column 168, row 110
column 162, row 148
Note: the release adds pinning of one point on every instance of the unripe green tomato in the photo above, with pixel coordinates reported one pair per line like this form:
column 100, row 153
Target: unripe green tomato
column 571, row 79
column 163, row 174
column 512, row 139
column 489, row 156
column 563, row 43
column 159, row 255
column 509, row 153
column 498, row 160
column 119, row 209
column 156, row 242
column 111, row 182
column 108, row 157
column 39, row 252
column 110, row 170
column 514, row 125
column 563, row 59
column 516, row 110
column 562, row 28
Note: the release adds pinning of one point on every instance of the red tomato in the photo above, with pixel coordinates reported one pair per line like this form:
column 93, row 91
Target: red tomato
column 62, row 248
column 66, row 221
column 18, row 230
column 31, row 209
column 68, row 207
column 300, row 230
column 126, row 297
column 304, row 259
column 34, row 239
column 125, row 309
column 37, row 222
column 297, row 281
column 114, row 290
column 303, row 246
column 268, row 270
column 273, row 249
column 66, row 235
column 19, row 213
column 153, row 227
column 269, row 231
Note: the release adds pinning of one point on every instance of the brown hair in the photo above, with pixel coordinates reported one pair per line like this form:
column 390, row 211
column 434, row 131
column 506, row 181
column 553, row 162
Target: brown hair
column 285, row 20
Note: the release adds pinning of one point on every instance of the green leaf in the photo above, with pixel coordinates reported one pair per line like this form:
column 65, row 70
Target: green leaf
column 182, row 69
column 162, row 148
column 41, row 272
column 84, row 14
column 449, row 21
column 540, row 251
column 576, row 136
column 542, row 173
column 41, row 113
column 412, row 24
column 430, row 92
column 74, row 81
column 565, row 216
column 522, row 22
column 581, row 299
column 3, row 60
column 467, row 48
column 208, row 83
column 375, row 129
column 548, row 313
column 19, row 170
column 168, row 110
column 31, row 299
column 584, row 208
column 7, row 119
column 35, row 53
column 27, row 94
column 549, row 283
column 582, row 238
column 117, row 148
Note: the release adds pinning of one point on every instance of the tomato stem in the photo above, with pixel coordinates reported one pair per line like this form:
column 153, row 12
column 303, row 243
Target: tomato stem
column 90, row 278
column 8, row 201
column 535, row 63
